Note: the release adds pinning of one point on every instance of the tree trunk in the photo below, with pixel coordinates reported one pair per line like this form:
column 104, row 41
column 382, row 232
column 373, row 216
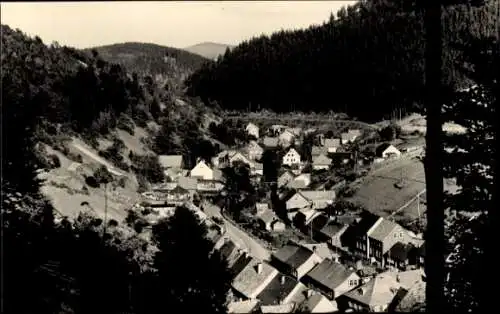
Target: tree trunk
column 434, row 263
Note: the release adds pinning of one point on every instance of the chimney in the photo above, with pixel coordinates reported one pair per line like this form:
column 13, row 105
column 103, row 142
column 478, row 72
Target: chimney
column 309, row 293
column 258, row 268
column 361, row 291
column 282, row 280
column 315, row 249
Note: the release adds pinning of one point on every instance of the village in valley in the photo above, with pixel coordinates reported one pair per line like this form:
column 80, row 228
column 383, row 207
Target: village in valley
column 311, row 219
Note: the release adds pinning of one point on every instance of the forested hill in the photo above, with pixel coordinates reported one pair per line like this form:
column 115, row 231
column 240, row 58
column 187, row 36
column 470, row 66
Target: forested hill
column 151, row 58
column 366, row 62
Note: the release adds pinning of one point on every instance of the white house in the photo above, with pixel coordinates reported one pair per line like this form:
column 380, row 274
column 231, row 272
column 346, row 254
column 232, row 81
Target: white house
column 252, row 129
column 331, row 144
column 202, row 171
column 292, row 157
column 286, row 138
column 350, row 136
column 254, row 150
column 387, row 150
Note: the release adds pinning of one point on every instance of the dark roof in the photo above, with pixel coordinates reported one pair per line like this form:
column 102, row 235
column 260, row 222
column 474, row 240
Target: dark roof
column 399, row 251
column 276, row 291
column 367, row 221
column 330, row 274
column 227, row 248
column 332, row 229
column 380, row 149
column 293, row 255
column 319, row 222
column 241, row 263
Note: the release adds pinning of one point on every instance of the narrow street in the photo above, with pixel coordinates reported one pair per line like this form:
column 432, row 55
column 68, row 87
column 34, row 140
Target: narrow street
column 241, row 238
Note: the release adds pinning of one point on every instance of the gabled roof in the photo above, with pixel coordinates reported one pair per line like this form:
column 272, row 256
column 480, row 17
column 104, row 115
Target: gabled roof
column 239, row 307
column 293, row 255
column 367, row 221
column 254, row 145
column 267, row 216
column 277, row 290
column 381, row 148
column 317, row 150
column 322, row 160
column 270, row 141
column 318, row 303
column 334, row 229
column 179, row 190
column 318, row 195
column 383, row 229
column 251, row 125
column 332, row 142
column 240, row 263
column 170, row 161
column 414, row 300
column 381, row 290
column 293, row 151
column 248, row 281
column 330, row 274
column 321, row 249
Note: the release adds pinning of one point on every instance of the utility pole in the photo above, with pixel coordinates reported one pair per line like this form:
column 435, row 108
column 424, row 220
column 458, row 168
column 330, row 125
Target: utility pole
column 105, row 207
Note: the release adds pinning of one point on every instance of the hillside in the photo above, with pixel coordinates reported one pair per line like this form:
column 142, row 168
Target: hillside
column 209, row 50
column 87, row 113
column 370, row 53
column 146, row 58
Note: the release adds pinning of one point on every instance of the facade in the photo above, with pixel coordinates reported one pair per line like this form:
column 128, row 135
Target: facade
column 292, row 157
column 252, row 129
column 295, row 260
column 387, row 151
column 202, row 171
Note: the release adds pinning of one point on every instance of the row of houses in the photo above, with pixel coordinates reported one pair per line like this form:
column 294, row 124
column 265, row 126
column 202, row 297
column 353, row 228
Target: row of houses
column 309, row 278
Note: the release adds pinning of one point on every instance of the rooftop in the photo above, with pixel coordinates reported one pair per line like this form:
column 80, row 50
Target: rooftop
column 321, row 249
column 249, row 280
column 322, row 160
column 242, row 306
column 330, row 274
column 332, row 142
column 281, row 308
column 318, row 195
column 270, row 141
column 334, row 229
column 170, row 161
column 293, row 255
column 277, row 290
column 381, row 290
column 414, row 300
column 383, row 229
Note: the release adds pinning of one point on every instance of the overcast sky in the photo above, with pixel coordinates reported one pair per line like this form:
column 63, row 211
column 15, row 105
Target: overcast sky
column 175, row 24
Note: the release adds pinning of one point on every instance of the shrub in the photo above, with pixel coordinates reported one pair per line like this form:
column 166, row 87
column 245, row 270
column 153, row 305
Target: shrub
column 54, row 161
column 126, row 124
column 92, row 182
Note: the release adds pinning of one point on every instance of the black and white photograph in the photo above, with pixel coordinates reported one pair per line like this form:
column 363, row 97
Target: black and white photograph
column 249, row 156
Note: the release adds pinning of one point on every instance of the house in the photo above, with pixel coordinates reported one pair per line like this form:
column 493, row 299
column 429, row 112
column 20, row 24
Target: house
column 252, row 129
column 286, row 138
column 374, row 296
column 387, row 150
column 269, row 221
column 286, row 177
column 321, row 162
column 277, row 128
column 350, row 136
column 303, row 218
column 279, row 291
column 321, row 249
column 355, row 235
column 257, row 169
column 379, row 237
column 178, row 195
column 319, row 199
column 332, row 144
column 310, row 199
column 172, row 165
column 270, row 142
column 295, row 260
column 399, row 255
column 300, row 182
column 254, row 278
column 292, row 157
column 332, row 233
column 318, row 150
column 204, row 172
column 316, row 223
column 317, row 303
column 253, row 150
column 235, row 257
column 331, row 278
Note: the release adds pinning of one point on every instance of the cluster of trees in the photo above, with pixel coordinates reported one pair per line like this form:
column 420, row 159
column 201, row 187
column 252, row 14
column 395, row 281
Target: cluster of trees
column 370, row 53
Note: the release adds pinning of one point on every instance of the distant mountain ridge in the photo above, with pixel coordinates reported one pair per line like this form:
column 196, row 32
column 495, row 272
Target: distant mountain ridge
column 209, row 50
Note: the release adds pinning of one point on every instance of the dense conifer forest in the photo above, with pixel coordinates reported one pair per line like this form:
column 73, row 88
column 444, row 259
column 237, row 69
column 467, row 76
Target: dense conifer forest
column 367, row 61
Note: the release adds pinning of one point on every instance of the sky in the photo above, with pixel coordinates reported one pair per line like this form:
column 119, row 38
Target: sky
column 176, row 24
